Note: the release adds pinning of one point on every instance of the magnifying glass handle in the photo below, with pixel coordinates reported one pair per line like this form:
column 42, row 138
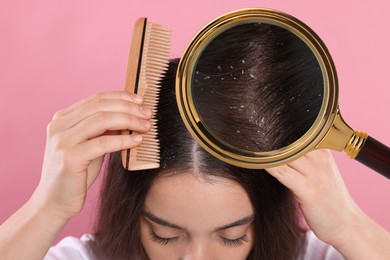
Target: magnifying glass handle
column 375, row 155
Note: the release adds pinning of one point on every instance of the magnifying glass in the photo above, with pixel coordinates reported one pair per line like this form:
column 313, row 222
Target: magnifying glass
column 257, row 88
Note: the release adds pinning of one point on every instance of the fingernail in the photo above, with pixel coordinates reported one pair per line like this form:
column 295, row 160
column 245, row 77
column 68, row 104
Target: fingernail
column 137, row 138
column 145, row 123
column 146, row 111
column 136, row 97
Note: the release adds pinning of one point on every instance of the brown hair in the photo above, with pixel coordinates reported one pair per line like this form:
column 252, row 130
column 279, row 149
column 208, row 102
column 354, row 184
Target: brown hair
column 277, row 229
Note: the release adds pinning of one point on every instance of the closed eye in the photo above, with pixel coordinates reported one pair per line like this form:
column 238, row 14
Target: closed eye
column 162, row 240
column 235, row 242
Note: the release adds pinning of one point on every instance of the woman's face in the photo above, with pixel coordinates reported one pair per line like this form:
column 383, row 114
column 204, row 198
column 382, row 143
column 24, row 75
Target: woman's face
column 187, row 217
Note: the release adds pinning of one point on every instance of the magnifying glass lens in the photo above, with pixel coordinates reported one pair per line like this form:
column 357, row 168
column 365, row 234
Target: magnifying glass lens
column 257, row 87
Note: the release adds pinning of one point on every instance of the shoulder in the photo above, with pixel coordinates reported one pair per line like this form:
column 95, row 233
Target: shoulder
column 315, row 249
column 72, row 248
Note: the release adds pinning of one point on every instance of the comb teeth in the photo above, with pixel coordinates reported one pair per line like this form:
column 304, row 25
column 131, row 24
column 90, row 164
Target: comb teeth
column 154, row 64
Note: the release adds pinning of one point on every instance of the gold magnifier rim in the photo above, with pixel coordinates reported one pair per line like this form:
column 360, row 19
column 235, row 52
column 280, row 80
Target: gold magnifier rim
column 226, row 152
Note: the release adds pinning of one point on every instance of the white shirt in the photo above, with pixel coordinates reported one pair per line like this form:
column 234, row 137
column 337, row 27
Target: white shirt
column 77, row 249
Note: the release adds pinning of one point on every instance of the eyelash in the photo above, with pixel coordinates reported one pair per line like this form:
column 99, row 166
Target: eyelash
column 235, row 242
column 227, row 242
column 161, row 240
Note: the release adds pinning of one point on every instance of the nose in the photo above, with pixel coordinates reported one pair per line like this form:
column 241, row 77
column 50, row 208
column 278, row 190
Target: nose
column 197, row 250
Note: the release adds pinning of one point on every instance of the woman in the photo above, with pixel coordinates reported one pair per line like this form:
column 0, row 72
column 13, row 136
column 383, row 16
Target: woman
column 194, row 206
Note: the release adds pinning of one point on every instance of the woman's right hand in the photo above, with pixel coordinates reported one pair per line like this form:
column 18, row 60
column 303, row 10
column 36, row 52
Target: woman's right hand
column 77, row 140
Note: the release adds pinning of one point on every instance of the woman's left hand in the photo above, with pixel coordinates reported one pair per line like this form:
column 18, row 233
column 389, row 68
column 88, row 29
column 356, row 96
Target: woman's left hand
column 322, row 195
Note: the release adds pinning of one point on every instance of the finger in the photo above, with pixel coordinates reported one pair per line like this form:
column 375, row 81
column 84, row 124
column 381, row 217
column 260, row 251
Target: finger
column 94, row 170
column 303, row 165
column 112, row 132
column 102, row 145
column 312, row 162
column 325, row 161
column 101, row 122
column 121, row 95
column 319, row 154
column 288, row 176
column 104, row 105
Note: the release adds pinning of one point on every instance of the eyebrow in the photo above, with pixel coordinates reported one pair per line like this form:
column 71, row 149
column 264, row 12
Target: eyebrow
column 162, row 222
column 159, row 221
column 240, row 222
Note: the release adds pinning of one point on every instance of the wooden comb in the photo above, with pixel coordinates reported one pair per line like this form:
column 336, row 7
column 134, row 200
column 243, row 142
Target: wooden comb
column 147, row 64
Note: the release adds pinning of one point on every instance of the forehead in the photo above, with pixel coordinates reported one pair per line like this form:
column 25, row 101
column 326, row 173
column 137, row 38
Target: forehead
column 194, row 203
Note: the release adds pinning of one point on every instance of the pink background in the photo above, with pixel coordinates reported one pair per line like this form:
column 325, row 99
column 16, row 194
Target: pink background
column 53, row 53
